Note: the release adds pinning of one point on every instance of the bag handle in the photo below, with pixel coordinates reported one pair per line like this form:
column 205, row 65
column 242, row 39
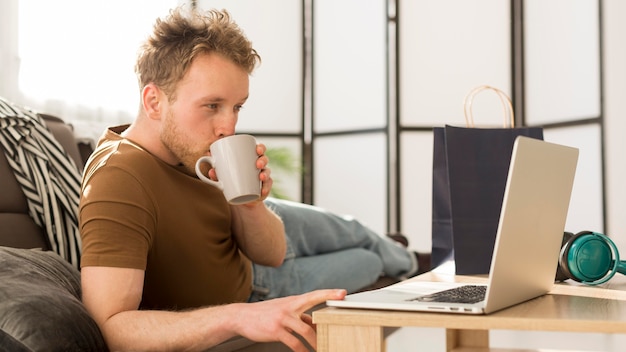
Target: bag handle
column 506, row 102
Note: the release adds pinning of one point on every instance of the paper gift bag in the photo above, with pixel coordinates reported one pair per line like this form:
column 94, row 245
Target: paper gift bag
column 470, row 168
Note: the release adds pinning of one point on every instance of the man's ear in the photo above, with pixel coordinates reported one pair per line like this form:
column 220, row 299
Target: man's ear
column 151, row 99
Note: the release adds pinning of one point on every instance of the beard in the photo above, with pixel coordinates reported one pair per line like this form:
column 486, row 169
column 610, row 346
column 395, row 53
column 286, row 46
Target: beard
column 178, row 143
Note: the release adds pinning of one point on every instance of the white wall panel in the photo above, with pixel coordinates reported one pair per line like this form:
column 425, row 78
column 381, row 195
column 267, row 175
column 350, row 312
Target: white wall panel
column 562, row 58
column 586, row 208
column 416, row 160
column 448, row 47
column 614, row 31
column 351, row 177
column 349, row 58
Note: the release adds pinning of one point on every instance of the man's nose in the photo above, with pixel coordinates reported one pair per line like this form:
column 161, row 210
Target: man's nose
column 226, row 125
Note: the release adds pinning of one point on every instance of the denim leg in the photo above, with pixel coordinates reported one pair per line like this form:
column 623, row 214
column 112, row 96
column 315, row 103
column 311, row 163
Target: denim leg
column 350, row 269
column 322, row 246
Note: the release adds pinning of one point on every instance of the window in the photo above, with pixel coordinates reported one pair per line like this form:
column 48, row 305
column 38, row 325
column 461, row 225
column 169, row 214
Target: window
column 76, row 58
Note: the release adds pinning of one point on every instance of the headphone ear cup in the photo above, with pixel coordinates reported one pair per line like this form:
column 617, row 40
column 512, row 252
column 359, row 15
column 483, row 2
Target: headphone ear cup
column 562, row 268
column 588, row 257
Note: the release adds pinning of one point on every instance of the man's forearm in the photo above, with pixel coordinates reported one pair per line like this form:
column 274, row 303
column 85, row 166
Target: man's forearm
column 194, row 330
column 260, row 234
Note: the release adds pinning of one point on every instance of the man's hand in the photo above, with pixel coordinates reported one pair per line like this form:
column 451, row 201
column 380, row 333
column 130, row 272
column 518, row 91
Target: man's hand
column 264, row 174
column 112, row 296
column 259, row 232
column 281, row 319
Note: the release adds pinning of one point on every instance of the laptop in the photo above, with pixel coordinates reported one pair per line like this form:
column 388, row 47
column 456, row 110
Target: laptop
column 528, row 240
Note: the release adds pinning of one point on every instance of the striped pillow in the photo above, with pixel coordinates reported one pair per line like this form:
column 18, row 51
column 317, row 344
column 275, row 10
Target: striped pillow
column 48, row 176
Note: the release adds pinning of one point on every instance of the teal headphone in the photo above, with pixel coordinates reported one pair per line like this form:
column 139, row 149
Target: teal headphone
column 588, row 257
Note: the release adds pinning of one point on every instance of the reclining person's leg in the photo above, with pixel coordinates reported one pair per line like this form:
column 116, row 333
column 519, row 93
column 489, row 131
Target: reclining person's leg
column 313, row 231
column 350, row 269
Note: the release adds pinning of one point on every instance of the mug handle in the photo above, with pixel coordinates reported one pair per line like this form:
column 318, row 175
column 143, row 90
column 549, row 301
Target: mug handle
column 209, row 160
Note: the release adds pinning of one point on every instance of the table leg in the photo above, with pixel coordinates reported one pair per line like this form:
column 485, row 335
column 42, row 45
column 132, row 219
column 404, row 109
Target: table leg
column 456, row 338
column 341, row 338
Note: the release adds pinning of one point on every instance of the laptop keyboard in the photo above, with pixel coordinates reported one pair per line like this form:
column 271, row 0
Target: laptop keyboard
column 461, row 294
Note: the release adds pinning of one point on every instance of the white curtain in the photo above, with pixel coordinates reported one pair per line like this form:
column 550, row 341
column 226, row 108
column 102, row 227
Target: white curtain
column 75, row 59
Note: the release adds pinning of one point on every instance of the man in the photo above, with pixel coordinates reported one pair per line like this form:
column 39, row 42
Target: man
column 167, row 263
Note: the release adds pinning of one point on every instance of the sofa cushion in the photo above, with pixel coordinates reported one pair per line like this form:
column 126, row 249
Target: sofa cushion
column 13, row 199
column 64, row 134
column 8, row 343
column 20, row 231
column 40, row 303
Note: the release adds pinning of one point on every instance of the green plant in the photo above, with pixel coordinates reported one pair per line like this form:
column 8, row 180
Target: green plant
column 282, row 162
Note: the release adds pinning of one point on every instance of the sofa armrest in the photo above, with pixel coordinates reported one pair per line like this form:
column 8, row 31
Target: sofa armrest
column 40, row 303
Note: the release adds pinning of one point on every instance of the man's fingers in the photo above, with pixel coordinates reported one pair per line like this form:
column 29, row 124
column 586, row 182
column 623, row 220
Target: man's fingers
column 309, row 333
column 288, row 320
column 292, row 341
column 313, row 298
column 302, row 327
column 307, row 318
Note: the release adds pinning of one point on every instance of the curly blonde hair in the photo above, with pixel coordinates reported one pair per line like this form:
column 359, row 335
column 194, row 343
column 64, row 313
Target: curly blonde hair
column 176, row 40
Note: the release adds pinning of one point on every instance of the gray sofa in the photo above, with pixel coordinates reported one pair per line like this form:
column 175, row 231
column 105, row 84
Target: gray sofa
column 40, row 307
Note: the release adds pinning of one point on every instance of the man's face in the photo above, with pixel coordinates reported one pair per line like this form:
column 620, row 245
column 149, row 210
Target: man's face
column 208, row 100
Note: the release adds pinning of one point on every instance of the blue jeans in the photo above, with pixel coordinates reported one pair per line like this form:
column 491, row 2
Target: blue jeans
column 325, row 250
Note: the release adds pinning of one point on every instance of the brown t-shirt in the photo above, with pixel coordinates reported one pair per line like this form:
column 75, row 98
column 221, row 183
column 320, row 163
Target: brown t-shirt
column 138, row 212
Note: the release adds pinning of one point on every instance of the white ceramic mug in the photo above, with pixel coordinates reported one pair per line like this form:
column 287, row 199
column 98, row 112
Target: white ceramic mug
column 234, row 160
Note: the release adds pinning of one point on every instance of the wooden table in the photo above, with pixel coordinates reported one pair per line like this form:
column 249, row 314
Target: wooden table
column 570, row 307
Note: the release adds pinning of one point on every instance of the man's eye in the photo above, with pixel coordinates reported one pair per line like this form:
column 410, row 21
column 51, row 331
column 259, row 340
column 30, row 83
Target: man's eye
column 238, row 107
column 212, row 106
